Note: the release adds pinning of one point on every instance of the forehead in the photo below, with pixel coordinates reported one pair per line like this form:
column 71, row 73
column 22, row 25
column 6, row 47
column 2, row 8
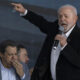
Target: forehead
column 66, row 10
column 11, row 49
column 23, row 50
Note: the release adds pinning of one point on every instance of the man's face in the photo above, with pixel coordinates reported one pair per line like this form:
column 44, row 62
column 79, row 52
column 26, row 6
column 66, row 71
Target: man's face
column 23, row 55
column 67, row 18
column 9, row 56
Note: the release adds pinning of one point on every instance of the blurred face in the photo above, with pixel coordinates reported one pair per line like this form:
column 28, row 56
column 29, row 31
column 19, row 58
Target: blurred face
column 67, row 18
column 9, row 56
column 23, row 55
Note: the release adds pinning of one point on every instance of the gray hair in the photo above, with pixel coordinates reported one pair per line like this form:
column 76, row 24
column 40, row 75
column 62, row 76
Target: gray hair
column 70, row 6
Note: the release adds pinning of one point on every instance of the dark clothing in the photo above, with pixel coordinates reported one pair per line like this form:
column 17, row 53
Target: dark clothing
column 68, row 64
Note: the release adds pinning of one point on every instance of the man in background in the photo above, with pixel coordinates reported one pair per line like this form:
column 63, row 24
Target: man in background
column 10, row 67
column 23, row 56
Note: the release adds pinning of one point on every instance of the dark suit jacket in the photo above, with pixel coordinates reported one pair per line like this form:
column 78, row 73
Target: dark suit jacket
column 68, row 65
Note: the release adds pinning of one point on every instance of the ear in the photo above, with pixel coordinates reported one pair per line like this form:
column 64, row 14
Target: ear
column 76, row 18
column 1, row 55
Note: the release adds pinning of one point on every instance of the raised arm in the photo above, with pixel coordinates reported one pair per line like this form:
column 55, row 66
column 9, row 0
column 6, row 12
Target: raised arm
column 44, row 25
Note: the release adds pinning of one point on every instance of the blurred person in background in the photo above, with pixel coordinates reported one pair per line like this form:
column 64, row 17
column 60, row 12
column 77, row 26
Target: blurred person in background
column 10, row 67
column 23, row 56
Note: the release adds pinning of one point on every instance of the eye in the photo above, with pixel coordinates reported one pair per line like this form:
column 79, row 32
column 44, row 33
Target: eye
column 60, row 16
column 66, row 16
column 10, row 54
column 15, row 53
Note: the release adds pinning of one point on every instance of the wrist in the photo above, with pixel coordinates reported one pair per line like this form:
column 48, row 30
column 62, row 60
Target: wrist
column 24, row 12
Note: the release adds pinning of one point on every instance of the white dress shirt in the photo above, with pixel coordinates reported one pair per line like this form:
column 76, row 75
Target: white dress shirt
column 8, row 74
column 55, row 55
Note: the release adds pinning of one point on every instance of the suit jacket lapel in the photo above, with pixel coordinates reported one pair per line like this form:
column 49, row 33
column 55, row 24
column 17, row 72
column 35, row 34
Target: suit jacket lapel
column 71, row 55
column 73, row 34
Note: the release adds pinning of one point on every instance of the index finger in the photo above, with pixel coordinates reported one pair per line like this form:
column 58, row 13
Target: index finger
column 14, row 4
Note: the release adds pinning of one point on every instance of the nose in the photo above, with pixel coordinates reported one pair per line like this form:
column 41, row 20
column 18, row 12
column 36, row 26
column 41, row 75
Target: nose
column 62, row 18
column 14, row 57
column 27, row 59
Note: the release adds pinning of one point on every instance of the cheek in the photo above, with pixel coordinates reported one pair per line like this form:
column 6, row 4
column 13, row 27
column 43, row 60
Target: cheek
column 70, row 20
column 22, row 58
column 9, row 58
column 16, row 57
column 70, row 24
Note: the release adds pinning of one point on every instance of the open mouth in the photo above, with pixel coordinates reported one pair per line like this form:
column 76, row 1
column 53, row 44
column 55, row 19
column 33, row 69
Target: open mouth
column 63, row 24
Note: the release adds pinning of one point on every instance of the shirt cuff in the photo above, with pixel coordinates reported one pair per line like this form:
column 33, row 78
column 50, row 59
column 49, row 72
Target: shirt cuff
column 63, row 46
column 22, row 78
column 23, row 14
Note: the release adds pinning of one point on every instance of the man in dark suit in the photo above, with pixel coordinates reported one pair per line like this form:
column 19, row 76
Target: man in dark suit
column 10, row 67
column 65, row 64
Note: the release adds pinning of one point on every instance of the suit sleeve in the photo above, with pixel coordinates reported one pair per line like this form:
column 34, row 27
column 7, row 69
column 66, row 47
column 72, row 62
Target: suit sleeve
column 44, row 25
